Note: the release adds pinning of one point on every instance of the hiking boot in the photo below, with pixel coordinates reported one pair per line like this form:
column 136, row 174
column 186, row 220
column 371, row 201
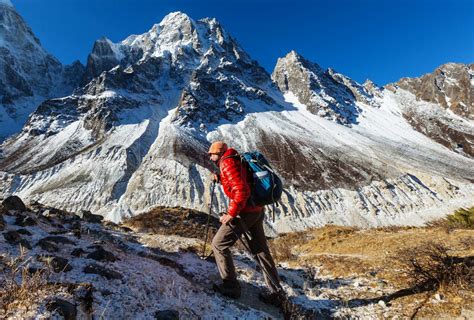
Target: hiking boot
column 272, row 298
column 229, row 289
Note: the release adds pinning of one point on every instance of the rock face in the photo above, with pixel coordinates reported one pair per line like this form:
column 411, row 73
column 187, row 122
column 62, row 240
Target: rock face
column 325, row 93
column 447, row 118
column 135, row 136
column 13, row 203
column 450, row 86
column 29, row 74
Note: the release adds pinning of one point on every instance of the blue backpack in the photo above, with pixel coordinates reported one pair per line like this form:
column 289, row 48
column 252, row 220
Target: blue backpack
column 267, row 186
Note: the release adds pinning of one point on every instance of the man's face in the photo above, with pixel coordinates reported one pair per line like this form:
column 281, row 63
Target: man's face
column 214, row 157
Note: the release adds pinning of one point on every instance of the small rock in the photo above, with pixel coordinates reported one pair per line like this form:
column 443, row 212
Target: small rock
column 59, row 240
column 14, row 203
column 25, row 243
column 36, row 205
column 57, row 263
column 56, row 232
column 77, row 252
column 356, row 284
column 438, row 297
column 102, row 255
column 85, row 294
column 75, row 228
column 47, row 213
column 167, row 315
column 12, row 237
column 25, row 221
column 33, row 270
column 381, row 284
column 47, row 245
column 90, row 217
column 63, row 307
column 382, row 304
column 24, row 231
column 125, row 229
column 111, row 225
column 102, row 271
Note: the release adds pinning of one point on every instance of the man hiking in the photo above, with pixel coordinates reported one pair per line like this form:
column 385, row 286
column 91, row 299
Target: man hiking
column 241, row 216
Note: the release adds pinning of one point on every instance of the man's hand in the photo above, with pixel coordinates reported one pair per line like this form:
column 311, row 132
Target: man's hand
column 215, row 177
column 226, row 218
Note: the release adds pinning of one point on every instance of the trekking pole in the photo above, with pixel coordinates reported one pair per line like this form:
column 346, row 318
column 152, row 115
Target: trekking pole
column 254, row 255
column 208, row 220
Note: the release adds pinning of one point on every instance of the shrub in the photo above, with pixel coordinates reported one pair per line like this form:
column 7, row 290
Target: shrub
column 19, row 285
column 461, row 219
column 431, row 267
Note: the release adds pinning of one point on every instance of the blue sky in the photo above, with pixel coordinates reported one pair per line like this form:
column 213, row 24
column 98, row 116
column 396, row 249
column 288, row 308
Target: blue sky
column 363, row 39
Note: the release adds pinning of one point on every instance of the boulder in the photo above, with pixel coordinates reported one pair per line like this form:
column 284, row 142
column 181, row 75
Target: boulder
column 58, row 264
column 90, row 217
column 59, row 240
column 77, row 252
column 24, row 231
column 102, row 271
column 102, row 255
column 12, row 237
column 63, row 308
column 14, row 203
column 25, row 221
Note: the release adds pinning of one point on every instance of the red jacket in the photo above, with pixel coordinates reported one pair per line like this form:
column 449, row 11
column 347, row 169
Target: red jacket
column 235, row 182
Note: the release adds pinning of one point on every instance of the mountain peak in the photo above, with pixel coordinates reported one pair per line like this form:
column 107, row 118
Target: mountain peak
column 173, row 20
column 293, row 54
column 174, row 17
column 294, row 57
column 450, row 85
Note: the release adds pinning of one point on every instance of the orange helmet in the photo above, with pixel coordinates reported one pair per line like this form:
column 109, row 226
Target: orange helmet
column 218, row 147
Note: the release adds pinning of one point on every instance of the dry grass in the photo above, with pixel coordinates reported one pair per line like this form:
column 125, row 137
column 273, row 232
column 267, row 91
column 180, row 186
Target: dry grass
column 21, row 287
column 173, row 221
column 397, row 255
column 369, row 250
column 288, row 246
column 283, row 250
column 432, row 266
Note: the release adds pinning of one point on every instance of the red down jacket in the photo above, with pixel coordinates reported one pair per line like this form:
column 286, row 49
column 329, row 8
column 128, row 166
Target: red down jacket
column 235, row 182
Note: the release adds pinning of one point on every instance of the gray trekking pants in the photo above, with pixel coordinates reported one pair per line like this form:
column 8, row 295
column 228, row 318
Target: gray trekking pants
column 225, row 238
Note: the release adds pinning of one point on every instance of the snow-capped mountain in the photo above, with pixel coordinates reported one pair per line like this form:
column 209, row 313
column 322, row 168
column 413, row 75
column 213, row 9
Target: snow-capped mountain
column 448, row 117
column 325, row 93
column 135, row 136
column 451, row 86
column 29, row 74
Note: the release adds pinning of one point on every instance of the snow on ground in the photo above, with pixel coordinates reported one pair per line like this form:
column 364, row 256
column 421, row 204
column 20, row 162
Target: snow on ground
column 146, row 286
column 159, row 272
column 415, row 191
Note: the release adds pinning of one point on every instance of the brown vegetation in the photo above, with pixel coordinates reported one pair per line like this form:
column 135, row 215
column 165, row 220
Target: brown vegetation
column 173, row 221
column 416, row 262
column 21, row 286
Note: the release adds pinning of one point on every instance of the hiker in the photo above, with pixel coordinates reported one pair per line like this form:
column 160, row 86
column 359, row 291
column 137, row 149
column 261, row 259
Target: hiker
column 241, row 216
